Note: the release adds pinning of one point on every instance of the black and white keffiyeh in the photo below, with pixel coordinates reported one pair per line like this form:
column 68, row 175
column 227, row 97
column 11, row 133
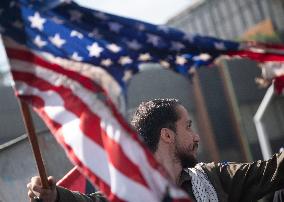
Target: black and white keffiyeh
column 202, row 188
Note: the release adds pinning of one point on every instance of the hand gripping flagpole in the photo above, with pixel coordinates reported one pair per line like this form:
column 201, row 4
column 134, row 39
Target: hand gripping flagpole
column 34, row 143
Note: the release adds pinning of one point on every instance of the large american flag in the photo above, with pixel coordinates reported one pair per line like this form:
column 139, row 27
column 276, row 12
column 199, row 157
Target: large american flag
column 72, row 64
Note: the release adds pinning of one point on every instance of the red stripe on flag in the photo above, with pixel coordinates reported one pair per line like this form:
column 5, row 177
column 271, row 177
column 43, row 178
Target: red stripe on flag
column 279, row 84
column 264, row 45
column 260, row 57
column 74, row 181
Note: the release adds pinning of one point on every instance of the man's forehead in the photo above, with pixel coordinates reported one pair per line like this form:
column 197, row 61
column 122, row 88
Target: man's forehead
column 183, row 113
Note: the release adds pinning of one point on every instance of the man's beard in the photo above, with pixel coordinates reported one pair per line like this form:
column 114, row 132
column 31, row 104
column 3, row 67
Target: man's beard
column 185, row 157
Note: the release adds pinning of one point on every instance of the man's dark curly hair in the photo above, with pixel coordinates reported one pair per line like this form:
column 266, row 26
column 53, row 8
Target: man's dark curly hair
column 150, row 117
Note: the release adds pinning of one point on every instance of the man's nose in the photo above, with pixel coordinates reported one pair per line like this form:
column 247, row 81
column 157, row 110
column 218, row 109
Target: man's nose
column 196, row 137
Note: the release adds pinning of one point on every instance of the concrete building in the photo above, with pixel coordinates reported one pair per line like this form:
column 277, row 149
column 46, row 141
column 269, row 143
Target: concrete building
column 229, row 19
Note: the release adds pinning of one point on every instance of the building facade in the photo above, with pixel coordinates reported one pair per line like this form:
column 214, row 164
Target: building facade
column 229, row 19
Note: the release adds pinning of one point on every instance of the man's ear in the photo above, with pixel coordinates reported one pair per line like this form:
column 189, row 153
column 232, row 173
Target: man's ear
column 167, row 135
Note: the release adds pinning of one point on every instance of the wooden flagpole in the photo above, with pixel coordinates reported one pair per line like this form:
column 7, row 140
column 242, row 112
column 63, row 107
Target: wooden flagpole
column 204, row 121
column 234, row 110
column 34, row 142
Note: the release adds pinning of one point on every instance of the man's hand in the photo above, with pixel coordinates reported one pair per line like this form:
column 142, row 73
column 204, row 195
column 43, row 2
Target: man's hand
column 35, row 190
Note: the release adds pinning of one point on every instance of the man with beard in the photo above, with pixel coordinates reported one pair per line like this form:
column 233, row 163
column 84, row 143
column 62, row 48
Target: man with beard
column 165, row 127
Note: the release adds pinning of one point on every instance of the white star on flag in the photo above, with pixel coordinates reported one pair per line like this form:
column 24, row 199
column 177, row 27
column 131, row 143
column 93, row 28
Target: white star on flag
column 100, row 15
column 114, row 48
column 57, row 20
column 153, row 39
column 95, row 50
column 115, row 27
column 57, row 40
column 140, row 27
column 188, row 37
column 123, row 60
column 164, row 63
column 39, row 42
column 37, row 21
column 191, row 71
column 76, row 57
column 177, row 46
column 202, row 56
column 180, row 60
column 219, row 45
column 77, row 34
column 164, row 28
column 144, row 57
column 95, row 33
column 127, row 75
column 106, row 62
column 75, row 15
column 133, row 45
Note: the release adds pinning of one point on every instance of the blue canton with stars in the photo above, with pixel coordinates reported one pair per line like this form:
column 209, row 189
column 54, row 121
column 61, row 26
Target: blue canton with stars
column 114, row 43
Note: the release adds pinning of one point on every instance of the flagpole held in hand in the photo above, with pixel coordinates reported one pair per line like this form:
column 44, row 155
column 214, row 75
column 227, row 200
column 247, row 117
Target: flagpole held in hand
column 34, row 143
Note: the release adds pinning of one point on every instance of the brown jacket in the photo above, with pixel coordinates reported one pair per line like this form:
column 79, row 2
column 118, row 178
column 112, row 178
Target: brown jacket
column 233, row 182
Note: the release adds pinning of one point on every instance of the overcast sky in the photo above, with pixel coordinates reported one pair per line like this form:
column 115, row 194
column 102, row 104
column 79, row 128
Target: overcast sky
column 153, row 11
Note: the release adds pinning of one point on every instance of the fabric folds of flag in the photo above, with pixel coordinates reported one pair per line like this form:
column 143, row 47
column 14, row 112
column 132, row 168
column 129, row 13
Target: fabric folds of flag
column 273, row 72
column 86, row 123
column 75, row 181
column 92, row 132
column 71, row 64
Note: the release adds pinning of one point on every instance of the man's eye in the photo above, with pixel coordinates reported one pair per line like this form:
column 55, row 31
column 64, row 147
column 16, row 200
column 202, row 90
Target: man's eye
column 189, row 124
